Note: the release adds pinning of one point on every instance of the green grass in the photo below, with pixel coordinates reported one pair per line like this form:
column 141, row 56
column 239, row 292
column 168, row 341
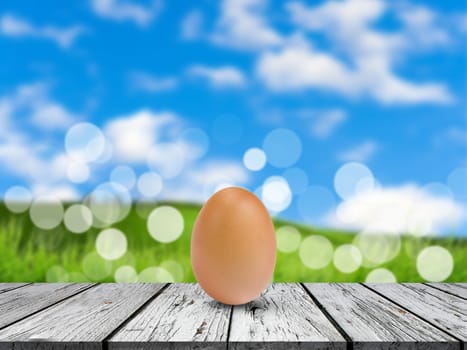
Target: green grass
column 27, row 253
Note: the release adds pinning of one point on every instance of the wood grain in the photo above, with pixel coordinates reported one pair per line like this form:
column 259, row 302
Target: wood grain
column 372, row 322
column 458, row 289
column 183, row 316
column 443, row 310
column 18, row 303
column 5, row 287
column 284, row 316
column 83, row 320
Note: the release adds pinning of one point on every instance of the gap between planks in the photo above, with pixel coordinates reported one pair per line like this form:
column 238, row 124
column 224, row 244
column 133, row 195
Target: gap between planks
column 45, row 307
column 105, row 342
column 444, row 290
column 14, row 286
column 229, row 326
column 331, row 319
column 461, row 341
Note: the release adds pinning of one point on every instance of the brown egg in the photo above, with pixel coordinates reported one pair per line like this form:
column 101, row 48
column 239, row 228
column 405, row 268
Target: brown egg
column 233, row 246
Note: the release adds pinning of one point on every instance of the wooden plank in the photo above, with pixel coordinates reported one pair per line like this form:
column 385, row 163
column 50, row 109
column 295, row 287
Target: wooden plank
column 372, row 322
column 19, row 303
column 5, row 287
column 183, row 315
column 83, row 320
column 284, row 316
column 459, row 289
column 441, row 309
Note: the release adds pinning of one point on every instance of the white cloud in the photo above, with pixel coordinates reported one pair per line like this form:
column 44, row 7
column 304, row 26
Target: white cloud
column 121, row 10
column 399, row 210
column 191, row 26
column 349, row 24
column 61, row 192
column 323, row 122
column 351, row 15
column 327, row 121
column 391, row 89
column 146, row 82
column 133, row 135
column 421, row 26
column 42, row 111
column 225, row 76
column 25, row 159
column 298, row 66
column 52, row 115
column 360, row 153
column 242, row 25
column 16, row 27
column 200, row 181
column 22, row 154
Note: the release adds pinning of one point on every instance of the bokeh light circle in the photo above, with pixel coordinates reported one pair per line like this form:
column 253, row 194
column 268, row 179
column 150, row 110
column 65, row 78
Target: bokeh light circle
column 435, row 264
column 149, row 184
column 46, row 212
column 254, row 159
column 123, row 175
column 106, row 154
column 85, row 141
column 347, row 258
column 283, row 148
column 95, row 267
column 126, row 274
column 316, row 252
column 165, row 224
column 419, row 224
column 288, row 239
column 155, row 274
column 297, row 179
column 78, row 218
column 353, row 178
column 111, row 244
column 380, row 275
column 377, row 248
column 77, row 172
column 315, row 203
column 276, row 194
column 57, row 273
column 17, row 199
column 110, row 203
column 167, row 159
column 175, row 269
column 197, row 140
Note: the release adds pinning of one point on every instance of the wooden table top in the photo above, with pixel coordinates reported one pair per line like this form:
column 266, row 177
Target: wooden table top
column 286, row 315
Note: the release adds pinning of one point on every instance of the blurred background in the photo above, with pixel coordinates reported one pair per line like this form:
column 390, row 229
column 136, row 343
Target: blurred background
column 119, row 118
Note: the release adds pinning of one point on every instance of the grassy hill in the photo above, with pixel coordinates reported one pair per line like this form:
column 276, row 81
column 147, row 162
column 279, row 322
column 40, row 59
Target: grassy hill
column 30, row 254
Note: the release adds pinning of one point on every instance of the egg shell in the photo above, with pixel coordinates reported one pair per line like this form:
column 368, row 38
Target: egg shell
column 233, row 246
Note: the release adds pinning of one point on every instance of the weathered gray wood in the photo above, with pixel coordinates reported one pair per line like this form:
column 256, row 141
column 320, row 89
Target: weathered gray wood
column 183, row 316
column 88, row 317
column 5, row 287
column 17, row 303
column 284, row 316
column 459, row 289
column 441, row 309
column 372, row 322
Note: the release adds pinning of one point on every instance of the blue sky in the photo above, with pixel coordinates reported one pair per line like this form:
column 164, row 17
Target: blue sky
column 378, row 83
